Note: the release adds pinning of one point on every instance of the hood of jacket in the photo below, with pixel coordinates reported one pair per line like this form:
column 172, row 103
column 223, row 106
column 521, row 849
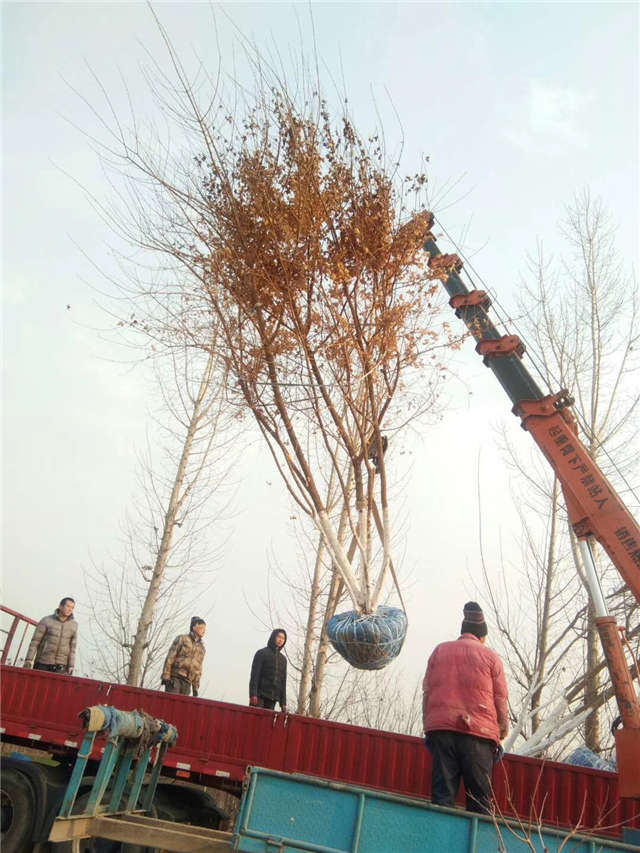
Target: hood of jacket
column 272, row 639
column 56, row 615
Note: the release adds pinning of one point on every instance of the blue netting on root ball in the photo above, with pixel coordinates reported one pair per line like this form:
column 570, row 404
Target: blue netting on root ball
column 368, row 641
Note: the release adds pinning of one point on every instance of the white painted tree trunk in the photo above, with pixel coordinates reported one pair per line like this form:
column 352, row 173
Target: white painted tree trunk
column 306, row 669
column 341, row 560
column 176, row 501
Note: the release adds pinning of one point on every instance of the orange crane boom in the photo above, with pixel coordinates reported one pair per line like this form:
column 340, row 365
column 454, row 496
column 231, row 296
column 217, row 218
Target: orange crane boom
column 595, row 509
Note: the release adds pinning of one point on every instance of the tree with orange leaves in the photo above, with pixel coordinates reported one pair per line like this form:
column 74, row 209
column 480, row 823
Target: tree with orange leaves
column 323, row 295
column 293, row 237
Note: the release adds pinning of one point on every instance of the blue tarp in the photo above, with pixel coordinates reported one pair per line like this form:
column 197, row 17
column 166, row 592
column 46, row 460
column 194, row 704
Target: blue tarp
column 584, row 757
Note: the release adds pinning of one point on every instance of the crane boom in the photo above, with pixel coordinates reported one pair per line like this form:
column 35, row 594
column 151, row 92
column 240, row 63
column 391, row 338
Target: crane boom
column 594, row 508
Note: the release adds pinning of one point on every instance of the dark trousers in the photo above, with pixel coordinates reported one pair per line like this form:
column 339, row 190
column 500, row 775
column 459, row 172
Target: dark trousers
column 266, row 703
column 178, row 685
column 50, row 667
column 456, row 755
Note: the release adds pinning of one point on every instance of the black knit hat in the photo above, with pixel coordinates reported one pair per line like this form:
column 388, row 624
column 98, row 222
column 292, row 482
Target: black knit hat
column 473, row 621
column 196, row 620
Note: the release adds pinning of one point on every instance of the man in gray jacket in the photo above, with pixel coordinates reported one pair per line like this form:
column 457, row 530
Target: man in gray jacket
column 53, row 647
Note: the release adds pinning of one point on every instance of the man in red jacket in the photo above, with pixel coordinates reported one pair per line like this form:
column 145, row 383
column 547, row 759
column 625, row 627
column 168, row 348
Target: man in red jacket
column 464, row 710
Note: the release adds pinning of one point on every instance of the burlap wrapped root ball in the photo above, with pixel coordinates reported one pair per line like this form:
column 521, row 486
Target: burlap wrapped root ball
column 368, row 641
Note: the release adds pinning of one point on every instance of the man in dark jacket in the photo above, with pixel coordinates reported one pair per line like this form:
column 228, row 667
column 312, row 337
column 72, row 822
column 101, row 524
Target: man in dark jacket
column 183, row 665
column 53, row 647
column 268, row 682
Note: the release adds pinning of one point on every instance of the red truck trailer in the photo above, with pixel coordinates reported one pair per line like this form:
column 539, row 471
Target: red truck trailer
column 41, row 735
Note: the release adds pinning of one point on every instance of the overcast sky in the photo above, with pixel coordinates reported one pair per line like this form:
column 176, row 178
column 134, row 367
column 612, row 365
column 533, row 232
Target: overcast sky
column 517, row 105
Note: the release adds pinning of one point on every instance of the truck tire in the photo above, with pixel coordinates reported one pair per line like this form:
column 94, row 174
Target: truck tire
column 187, row 805
column 168, row 811
column 17, row 804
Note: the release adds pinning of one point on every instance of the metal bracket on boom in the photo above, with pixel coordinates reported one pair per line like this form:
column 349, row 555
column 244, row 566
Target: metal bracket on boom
column 441, row 266
column 473, row 299
column 548, row 405
column 504, row 346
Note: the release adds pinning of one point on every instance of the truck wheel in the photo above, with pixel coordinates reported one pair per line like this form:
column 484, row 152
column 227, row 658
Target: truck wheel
column 18, row 811
column 167, row 811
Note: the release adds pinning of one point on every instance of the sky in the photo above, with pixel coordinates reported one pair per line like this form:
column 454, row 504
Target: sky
column 518, row 106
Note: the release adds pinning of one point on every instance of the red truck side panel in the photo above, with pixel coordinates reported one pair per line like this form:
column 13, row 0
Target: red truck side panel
column 394, row 762
column 563, row 794
column 215, row 738
column 218, row 740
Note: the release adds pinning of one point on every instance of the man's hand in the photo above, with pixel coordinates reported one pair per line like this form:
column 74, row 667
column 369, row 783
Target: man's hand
column 504, row 731
column 253, row 700
column 28, row 664
column 69, row 670
column 194, row 691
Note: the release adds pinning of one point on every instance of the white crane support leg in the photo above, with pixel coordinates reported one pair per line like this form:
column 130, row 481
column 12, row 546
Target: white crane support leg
column 592, row 579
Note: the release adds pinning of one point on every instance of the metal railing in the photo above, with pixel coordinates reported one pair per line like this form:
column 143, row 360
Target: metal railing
column 16, row 632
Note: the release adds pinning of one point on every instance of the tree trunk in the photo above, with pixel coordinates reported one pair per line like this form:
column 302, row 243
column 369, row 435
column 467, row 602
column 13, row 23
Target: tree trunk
column 592, row 686
column 335, row 592
column 307, row 654
column 543, row 629
column 306, row 670
column 175, row 502
column 315, row 696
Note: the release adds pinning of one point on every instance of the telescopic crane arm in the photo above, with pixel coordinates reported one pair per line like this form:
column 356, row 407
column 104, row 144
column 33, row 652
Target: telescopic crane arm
column 594, row 508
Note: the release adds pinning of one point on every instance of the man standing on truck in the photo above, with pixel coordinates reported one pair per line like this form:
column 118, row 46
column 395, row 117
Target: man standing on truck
column 53, row 646
column 268, row 681
column 464, row 710
column 183, row 665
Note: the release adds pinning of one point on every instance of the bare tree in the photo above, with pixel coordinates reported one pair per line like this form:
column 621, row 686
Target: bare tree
column 137, row 607
column 582, row 316
column 602, row 369
column 376, row 700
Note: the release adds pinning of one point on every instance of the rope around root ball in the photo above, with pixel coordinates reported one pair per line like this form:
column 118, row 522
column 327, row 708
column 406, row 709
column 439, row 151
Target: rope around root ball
column 368, row 641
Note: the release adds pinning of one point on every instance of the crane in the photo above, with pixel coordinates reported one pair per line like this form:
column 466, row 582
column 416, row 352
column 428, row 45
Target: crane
column 595, row 509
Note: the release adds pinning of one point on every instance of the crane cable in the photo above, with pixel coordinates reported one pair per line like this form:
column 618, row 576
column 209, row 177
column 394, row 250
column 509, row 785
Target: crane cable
column 507, row 322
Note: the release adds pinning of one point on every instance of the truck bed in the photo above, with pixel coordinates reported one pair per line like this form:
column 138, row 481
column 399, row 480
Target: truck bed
column 218, row 740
